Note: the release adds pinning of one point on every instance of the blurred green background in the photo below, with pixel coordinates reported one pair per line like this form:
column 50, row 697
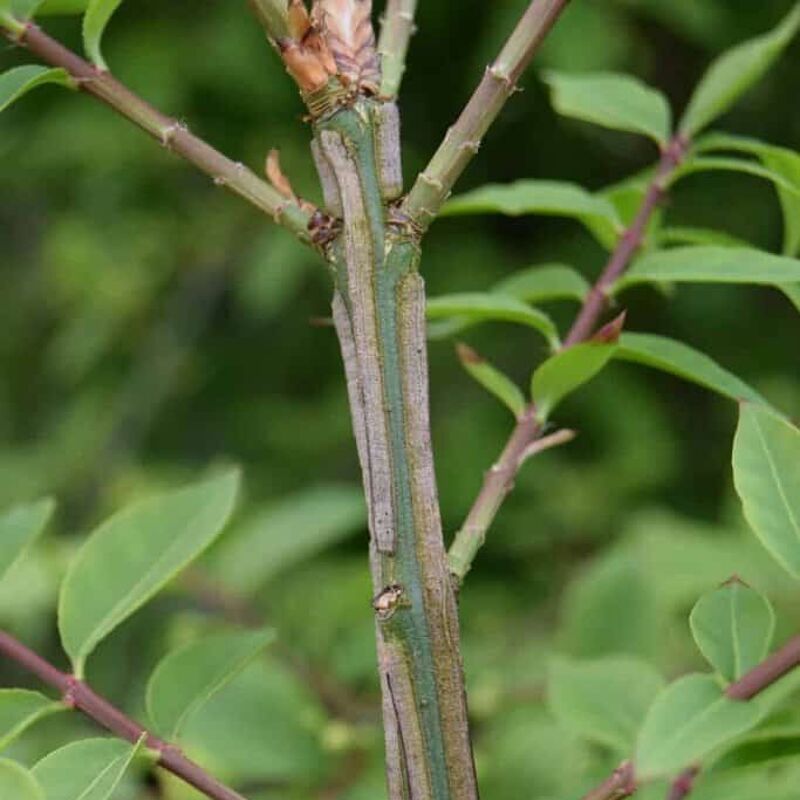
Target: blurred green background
column 152, row 326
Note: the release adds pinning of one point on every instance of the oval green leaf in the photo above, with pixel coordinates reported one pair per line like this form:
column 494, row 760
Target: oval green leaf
column 188, row 678
column 19, row 709
column 733, row 628
column 16, row 783
column 712, row 265
column 21, row 10
column 766, row 473
column 130, row 557
column 612, row 100
column 492, row 379
column 19, row 81
column 603, row 700
column 679, row 359
column 476, row 307
column 90, row 769
column 734, row 72
column 545, row 282
column 19, row 527
column 689, row 719
column 98, row 14
column 565, row 372
column 551, row 198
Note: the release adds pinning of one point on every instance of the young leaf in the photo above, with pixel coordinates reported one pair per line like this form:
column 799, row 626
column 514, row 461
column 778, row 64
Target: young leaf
column 90, row 769
column 478, row 307
column 734, row 72
column 19, row 81
column 565, row 372
column 679, row 359
column 733, row 628
column 19, row 709
column 19, row 527
column 689, row 719
column 712, row 265
column 494, row 381
column 131, row 556
column 545, row 282
column 284, row 534
column 792, row 291
column 98, row 14
column 16, row 783
column 717, row 164
column 536, row 197
column 612, row 100
column 766, row 473
column 604, row 700
column 188, row 678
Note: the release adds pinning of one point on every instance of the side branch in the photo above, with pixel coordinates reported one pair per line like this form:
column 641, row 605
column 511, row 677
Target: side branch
column 76, row 694
column 463, row 140
column 398, row 28
column 526, row 435
column 752, row 684
column 169, row 132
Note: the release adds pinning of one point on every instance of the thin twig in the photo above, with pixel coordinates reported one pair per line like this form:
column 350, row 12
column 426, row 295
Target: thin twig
column 169, row 132
column 463, row 140
column 768, row 672
column 398, row 28
column 498, row 483
column 630, row 241
column 621, row 783
column 683, row 785
column 77, row 694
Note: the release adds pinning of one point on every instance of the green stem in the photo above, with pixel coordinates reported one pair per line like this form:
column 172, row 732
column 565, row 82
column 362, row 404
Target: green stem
column 463, row 140
column 379, row 313
column 170, row 133
column 398, row 27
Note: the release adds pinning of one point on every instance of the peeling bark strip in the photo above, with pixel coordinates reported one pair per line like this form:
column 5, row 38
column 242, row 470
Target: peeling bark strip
column 379, row 312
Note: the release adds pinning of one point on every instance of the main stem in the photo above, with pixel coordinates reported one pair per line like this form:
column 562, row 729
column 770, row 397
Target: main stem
column 379, row 310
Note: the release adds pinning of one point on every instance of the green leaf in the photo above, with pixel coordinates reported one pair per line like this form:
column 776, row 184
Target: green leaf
column 19, row 709
column 186, row 679
column 780, row 161
column 766, row 473
column 689, row 719
column 565, row 372
column 19, row 81
column 603, row 700
column 553, row 198
column 478, row 307
column 717, row 164
column 286, row 533
column 545, row 282
column 612, row 100
column 19, row 9
column 494, row 381
column 792, row 291
column 733, row 628
column 712, row 265
column 681, row 234
column 131, row 556
column 90, row 769
column 98, row 14
column 16, row 783
column 734, row 72
column 679, row 359
column 19, row 527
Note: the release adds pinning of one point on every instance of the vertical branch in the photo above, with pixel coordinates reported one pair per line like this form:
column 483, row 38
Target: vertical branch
column 398, row 28
column 463, row 140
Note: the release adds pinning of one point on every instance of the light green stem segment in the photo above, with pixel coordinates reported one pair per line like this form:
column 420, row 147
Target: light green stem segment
column 379, row 312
